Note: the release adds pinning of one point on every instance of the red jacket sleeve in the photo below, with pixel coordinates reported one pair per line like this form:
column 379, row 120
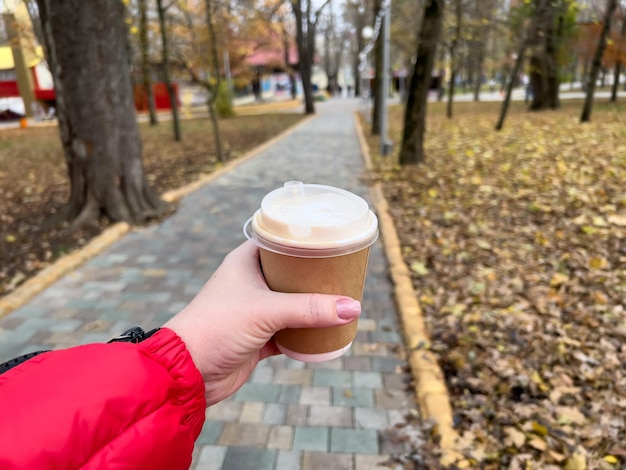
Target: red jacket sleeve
column 113, row 406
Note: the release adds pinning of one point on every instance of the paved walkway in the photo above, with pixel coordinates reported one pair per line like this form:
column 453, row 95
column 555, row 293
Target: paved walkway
column 290, row 415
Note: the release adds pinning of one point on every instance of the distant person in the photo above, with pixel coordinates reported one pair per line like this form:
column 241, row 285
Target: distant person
column 139, row 402
column 528, row 92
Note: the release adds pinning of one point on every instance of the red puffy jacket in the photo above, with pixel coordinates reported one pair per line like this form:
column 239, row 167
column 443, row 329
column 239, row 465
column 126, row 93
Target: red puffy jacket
column 105, row 406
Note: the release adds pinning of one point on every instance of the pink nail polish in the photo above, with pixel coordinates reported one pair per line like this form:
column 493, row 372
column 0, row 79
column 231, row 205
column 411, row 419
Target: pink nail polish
column 348, row 309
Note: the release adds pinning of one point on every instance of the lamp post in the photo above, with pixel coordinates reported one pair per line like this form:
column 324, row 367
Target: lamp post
column 385, row 145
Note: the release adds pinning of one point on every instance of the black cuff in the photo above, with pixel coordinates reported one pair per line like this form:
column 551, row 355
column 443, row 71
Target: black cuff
column 134, row 335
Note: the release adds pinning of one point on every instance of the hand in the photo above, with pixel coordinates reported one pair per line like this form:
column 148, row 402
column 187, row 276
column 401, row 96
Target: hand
column 228, row 326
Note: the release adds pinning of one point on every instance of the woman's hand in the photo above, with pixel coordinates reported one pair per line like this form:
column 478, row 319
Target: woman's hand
column 228, row 327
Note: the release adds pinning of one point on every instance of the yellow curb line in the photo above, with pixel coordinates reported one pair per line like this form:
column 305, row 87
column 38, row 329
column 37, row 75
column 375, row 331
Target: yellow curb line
column 71, row 261
column 252, row 109
column 430, row 388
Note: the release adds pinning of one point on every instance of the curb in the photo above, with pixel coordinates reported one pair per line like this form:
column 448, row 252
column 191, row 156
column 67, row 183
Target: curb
column 430, row 388
column 71, row 261
column 257, row 108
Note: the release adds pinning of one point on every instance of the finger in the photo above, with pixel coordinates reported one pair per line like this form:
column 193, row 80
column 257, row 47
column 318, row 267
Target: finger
column 310, row 310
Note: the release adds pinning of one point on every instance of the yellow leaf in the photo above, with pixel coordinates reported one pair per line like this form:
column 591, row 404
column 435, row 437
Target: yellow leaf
column 539, row 428
column 469, row 152
column 558, row 279
column 610, row 459
column 597, row 263
column 484, row 244
column 433, row 192
column 10, row 238
column 599, row 221
column 419, row 268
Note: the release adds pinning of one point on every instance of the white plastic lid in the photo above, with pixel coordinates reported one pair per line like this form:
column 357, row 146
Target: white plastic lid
column 312, row 220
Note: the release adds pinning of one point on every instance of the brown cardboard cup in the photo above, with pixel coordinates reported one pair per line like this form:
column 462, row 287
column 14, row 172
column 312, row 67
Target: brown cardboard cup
column 340, row 275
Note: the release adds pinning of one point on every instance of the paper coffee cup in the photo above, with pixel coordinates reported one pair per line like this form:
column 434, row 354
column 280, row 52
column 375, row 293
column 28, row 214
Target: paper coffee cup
column 314, row 238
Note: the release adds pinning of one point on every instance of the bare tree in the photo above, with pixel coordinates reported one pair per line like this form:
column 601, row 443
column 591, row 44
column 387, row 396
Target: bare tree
column 412, row 148
column 597, row 62
column 145, row 60
column 165, row 63
column 307, row 19
column 86, row 43
column 452, row 51
column 618, row 61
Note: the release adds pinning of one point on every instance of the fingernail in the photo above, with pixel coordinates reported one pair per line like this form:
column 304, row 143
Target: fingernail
column 348, row 309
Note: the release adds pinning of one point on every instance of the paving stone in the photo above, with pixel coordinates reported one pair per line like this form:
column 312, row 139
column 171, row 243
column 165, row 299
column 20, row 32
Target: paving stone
column 360, row 363
column 267, row 393
column 357, row 441
column 370, row 418
column 353, row 397
column 367, row 379
column 289, row 460
column 392, row 399
column 226, row 410
column 280, row 437
column 385, row 337
column 275, row 413
column 252, row 412
column 241, row 458
column 372, row 462
column 293, row 376
column 315, row 395
column 289, row 394
column 386, row 364
column 262, row 375
column 322, row 415
column 311, row 438
column 396, row 381
column 326, row 461
column 244, row 434
column 397, row 416
column 297, row 415
column 210, row 432
column 211, row 457
column 334, row 364
column 293, row 364
column 371, row 349
column 332, row 378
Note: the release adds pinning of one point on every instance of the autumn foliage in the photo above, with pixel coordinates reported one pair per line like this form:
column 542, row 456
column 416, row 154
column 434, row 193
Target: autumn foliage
column 517, row 245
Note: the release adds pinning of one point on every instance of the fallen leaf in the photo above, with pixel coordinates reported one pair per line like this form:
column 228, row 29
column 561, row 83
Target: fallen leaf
column 514, row 437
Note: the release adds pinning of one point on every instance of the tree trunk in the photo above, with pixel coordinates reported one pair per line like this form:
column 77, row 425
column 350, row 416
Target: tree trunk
column 96, row 114
column 479, row 71
column 288, row 67
column 214, row 88
column 412, row 149
column 166, row 72
column 454, row 62
column 511, row 82
column 304, row 64
column 618, row 64
column 544, row 76
column 597, row 62
column 145, row 61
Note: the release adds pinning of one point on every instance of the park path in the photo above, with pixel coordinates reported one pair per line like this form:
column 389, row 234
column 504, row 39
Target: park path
column 290, row 415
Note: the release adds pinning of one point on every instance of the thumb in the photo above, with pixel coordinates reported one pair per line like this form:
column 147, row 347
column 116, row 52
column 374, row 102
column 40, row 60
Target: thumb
column 312, row 310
